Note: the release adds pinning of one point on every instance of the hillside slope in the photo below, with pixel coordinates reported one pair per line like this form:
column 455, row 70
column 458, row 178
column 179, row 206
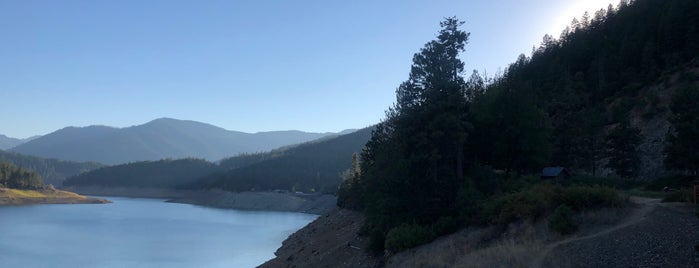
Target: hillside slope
column 148, row 174
column 158, row 139
column 614, row 67
column 309, row 167
column 650, row 234
column 53, row 171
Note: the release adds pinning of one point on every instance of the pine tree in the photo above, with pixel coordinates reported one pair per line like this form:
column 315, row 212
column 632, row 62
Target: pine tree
column 622, row 150
column 350, row 193
column 414, row 162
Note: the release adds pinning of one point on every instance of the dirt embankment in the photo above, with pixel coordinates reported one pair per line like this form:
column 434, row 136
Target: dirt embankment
column 329, row 241
column 646, row 233
column 269, row 201
column 13, row 197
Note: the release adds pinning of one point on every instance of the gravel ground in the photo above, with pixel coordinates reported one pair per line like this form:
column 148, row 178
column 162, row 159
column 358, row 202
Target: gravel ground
column 664, row 238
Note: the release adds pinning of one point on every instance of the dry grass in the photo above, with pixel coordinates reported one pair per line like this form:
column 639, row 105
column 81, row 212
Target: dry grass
column 44, row 196
column 517, row 246
column 22, row 193
column 17, row 193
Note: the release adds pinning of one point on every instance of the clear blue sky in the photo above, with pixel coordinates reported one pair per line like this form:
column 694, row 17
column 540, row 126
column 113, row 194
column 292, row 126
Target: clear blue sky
column 242, row 65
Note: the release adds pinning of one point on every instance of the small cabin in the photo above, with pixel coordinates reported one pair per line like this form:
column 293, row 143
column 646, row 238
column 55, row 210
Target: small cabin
column 555, row 173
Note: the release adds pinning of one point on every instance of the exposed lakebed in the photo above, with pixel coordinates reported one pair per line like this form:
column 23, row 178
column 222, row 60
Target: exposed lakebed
column 137, row 232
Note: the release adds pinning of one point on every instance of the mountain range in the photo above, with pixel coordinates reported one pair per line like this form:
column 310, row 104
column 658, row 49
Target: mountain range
column 314, row 166
column 157, row 139
column 8, row 142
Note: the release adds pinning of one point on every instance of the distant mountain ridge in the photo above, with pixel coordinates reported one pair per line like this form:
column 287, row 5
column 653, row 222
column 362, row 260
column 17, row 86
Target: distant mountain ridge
column 314, row 166
column 9, row 142
column 157, row 139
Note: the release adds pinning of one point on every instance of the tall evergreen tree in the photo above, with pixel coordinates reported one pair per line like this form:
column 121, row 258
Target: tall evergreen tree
column 415, row 159
column 622, row 150
column 350, row 192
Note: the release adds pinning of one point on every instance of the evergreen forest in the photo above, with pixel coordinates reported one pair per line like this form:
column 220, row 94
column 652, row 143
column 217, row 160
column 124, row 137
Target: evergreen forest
column 459, row 149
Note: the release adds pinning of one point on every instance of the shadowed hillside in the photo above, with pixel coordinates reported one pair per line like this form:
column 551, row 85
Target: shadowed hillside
column 310, row 167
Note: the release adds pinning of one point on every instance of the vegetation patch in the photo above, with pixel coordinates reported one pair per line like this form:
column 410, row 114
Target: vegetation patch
column 679, row 195
column 408, row 236
column 562, row 220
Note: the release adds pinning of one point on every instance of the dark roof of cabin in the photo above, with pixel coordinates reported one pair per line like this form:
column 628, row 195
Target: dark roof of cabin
column 552, row 171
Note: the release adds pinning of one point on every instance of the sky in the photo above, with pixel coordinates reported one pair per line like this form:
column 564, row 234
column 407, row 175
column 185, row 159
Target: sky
column 246, row 65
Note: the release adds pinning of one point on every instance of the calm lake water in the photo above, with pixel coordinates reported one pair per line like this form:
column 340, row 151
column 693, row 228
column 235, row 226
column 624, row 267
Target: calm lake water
column 136, row 232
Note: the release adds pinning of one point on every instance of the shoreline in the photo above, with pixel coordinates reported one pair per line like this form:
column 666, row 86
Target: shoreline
column 16, row 197
column 262, row 201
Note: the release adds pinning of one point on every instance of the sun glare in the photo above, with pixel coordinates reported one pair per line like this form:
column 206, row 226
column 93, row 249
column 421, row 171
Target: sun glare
column 575, row 9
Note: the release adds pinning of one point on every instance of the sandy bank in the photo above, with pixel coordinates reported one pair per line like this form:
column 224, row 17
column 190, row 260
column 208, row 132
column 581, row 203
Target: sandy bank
column 268, row 201
column 14, row 197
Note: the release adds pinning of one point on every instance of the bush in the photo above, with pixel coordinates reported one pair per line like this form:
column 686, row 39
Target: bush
column 485, row 180
column 681, row 196
column 469, row 202
column 407, row 236
column 613, row 182
column 587, row 197
column 675, row 182
column 542, row 198
column 529, row 203
column 376, row 240
column 562, row 221
column 445, row 225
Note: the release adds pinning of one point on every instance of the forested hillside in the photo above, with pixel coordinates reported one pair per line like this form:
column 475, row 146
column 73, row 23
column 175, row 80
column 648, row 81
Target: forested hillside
column 147, row 174
column 455, row 151
column 311, row 167
column 53, row 171
column 616, row 68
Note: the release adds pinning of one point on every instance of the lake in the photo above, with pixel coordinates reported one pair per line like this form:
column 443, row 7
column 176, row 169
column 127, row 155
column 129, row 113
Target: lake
column 137, row 232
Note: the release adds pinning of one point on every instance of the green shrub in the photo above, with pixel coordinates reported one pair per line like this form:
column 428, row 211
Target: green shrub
column 562, row 220
column 613, row 182
column 445, row 225
column 469, row 202
column 681, row 196
column 587, row 197
column 485, row 180
column 526, row 204
column 408, row 236
column 675, row 182
column 540, row 199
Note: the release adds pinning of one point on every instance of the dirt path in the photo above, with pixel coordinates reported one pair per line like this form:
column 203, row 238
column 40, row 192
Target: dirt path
column 647, row 238
column 646, row 204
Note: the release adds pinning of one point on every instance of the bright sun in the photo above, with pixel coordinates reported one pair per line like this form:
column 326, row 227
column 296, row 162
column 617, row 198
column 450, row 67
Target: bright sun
column 575, row 9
